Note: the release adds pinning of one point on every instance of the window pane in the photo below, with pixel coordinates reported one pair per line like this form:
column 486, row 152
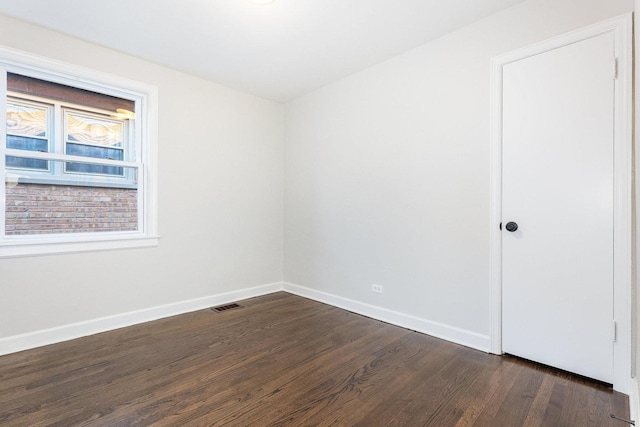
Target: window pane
column 26, row 120
column 95, row 152
column 30, row 144
column 85, row 207
column 22, row 163
column 95, row 131
column 94, row 169
column 23, row 143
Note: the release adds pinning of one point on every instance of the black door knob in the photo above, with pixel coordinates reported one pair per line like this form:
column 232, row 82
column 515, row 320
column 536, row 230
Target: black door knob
column 511, row 226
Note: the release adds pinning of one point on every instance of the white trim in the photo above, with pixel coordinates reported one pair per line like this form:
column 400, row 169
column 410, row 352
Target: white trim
column 22, row 62
column 3, row 147
column 43, row 337
column 425, row 326
column 636, row 208
column 495, row 207
column 145, row 130
column 69, row 158
column 634, row 400
column 13, row 344
column 148, row 179
column 73, row 245
column 621, row 27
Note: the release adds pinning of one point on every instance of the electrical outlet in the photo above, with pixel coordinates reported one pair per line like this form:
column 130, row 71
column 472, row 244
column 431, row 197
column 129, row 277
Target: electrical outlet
column 376, row 288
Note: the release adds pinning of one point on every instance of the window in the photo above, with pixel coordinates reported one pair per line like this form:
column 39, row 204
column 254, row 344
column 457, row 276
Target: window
column 27, row 129
column 91, row 135
column 35, row 118
column 78, row 157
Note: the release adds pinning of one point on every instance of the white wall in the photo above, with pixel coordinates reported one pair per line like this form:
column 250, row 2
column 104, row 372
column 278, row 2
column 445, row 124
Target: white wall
column 387, row 171
column 634, row 398
column 220, row 202
column 386, row 182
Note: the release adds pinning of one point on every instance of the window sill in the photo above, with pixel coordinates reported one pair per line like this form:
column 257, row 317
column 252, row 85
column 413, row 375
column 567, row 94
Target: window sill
column 65, row 245
column 70, row 182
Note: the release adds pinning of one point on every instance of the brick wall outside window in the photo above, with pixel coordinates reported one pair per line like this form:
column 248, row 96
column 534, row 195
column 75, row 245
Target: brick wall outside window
column 48, row 209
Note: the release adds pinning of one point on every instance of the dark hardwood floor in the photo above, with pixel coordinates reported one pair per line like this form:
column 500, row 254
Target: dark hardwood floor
column 283, row 360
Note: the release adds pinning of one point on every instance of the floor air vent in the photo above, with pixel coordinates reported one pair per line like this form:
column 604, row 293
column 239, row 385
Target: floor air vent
column 226, row 307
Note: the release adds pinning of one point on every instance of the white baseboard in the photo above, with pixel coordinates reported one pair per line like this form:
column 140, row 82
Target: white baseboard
column 43, row 337
column 58, row 334
column 634, row 400
column 435, row 329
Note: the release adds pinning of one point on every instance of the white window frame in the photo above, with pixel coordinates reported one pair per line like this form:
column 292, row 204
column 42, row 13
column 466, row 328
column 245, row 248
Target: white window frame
column 144, row 151
column 57, row 133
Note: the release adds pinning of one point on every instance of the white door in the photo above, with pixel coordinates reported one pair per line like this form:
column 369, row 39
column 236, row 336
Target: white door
column 557, row 267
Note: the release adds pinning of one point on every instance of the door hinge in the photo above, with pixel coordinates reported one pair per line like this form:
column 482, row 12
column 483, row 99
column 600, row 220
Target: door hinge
column 614, row 330
column 615, row 68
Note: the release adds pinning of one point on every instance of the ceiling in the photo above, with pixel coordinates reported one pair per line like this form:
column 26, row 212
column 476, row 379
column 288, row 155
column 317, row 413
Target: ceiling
column 278, row 51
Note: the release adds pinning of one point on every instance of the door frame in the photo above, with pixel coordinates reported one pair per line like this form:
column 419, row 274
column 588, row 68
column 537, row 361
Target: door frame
column 621, row 27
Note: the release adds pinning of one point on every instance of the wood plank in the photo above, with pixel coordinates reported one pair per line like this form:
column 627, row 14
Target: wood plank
column 283, row 360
